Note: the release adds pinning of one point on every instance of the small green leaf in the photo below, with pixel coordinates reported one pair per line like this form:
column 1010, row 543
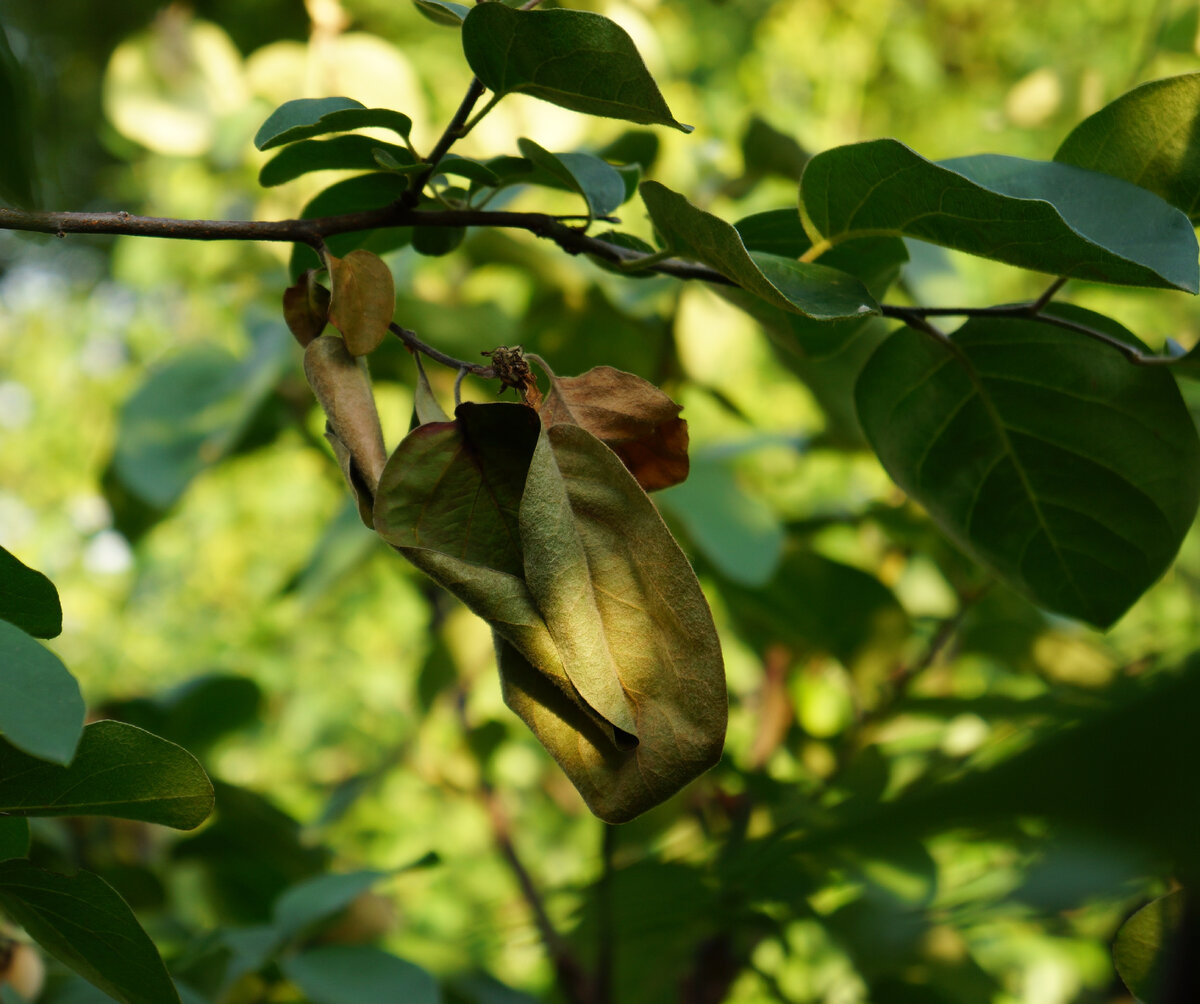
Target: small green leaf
column 319, row 898
column 352, row 974
column 1044, row 216
column 41, row 710
column 14, row 837
column 82, row 921
column 307, row 117
column 443, row 12
column 1145, row 137
column 362, row 301
column 1045, row 454
column 571, row 58
column 340, row 153
column 816, row 291
column 28, row 599
column 600, row 184
column 354, row 195
column 434, row 242
column 1141, row 946
column 119, row 770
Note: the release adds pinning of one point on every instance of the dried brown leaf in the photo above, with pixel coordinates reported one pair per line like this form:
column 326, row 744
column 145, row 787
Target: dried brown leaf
column 306, row 308
column 363, row 299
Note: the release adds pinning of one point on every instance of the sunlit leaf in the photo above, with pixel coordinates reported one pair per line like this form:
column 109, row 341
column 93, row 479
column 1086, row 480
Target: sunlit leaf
column 28, row 599
column 1044, row 216
column 631, row 416
column 351, row 974
column 362, row 300
column 443, row 12
column 340, row 153
column 41, row 710
column 118, row 770
column 1042, row 452
column 306, row 117
column 572, row 58
column 816, row 291
column 1143, row 943
column 1147, row 137
column 82, row 921
column 602, row 187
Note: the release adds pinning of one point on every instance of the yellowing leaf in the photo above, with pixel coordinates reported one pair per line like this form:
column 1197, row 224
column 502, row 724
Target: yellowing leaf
column 363, row 300
column 631, row 416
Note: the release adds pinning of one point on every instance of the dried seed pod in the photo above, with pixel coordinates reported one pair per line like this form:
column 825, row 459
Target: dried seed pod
column 343, row 388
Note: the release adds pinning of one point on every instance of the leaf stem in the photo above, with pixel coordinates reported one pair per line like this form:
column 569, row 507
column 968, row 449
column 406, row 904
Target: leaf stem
column 455, row 129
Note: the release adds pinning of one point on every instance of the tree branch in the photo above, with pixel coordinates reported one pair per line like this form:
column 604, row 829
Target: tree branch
column 454, row 131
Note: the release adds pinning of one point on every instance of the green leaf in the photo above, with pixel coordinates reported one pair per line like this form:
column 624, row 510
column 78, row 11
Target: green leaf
column 634, row 146
column 1071, row 473
column 571, row 58
column 28, row 599
column 816, row 291
column 197, row 712
column 455, row 487
column 319, row 898
column 41, row 710
column 1043, row 216
column 354, row 195
column 600, row 184
column 443, row 12
column 119, row 770
column 340, row 153
column 352, row 974
column 14, row 837
column 1141, row 946
column 362, row 299
column 434, row 242
column 1145, row 137
column 82, row 921
column 307, row 117
column 18, row 174
column 191, row 411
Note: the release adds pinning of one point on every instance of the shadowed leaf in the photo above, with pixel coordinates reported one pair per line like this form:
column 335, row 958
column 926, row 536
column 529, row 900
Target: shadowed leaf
column 306, row 307
column 28, row 599
column 1142, row 944
column 41, row 710
column 352, row 974
column 600, row 184
column 340, row 153
column 631, row 416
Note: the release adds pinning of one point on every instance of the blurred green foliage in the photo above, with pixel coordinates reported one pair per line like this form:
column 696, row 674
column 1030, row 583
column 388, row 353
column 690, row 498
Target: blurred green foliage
column 931, row 791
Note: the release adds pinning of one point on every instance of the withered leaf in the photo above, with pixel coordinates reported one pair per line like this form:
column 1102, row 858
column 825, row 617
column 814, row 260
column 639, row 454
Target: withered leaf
column 343, row 388
column 306, row 308
column 631, row 416
column 363, row 299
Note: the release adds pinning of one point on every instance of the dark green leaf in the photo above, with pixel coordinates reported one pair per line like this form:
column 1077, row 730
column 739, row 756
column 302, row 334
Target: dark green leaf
column 352, row 974
column 197, row 712
column 18, row 176
column 1045, row 454
column 14, row 837
column 307, row 117
column 339, row 153
column 443, row 12
column 571, row 58
column 602, row 187
column 354, row 195
column 464, row 167
column 119, row 770
column 636, row 146
column 191, row 411
column 28, row 599
column 630, row 243
column 1141, row 948
column 766, row 150
column 41, row 710
column 816, row 291
column 84, row 923
column 1146, row 137
column 434, row 242
column 777, row 231
column 319, row 898
column 456, row 487
column 1044, row 216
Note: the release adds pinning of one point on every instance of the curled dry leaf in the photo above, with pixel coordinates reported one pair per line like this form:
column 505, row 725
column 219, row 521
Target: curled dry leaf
column 605, row 642
column 306, row 308
column 363, row 299
column 343, row 388
column 631, row 416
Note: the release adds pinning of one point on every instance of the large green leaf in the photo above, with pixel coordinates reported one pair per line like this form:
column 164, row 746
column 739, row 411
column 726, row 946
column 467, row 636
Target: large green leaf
column 340, row 153
column 191, row 411
column 571, row 58
column 1147, row 137
column 14, row 837
column 320, row 897
column 1044, row 216
column 41, row 710
column 816, row 291
column 28, row 599
column 306, row 117
column 1141, row 948
column 1042, row 452
column 119, row 770
column 82, row 921
column 352, row 974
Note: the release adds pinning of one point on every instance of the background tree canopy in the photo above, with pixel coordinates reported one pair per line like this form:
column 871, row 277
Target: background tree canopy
column 932, row 788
